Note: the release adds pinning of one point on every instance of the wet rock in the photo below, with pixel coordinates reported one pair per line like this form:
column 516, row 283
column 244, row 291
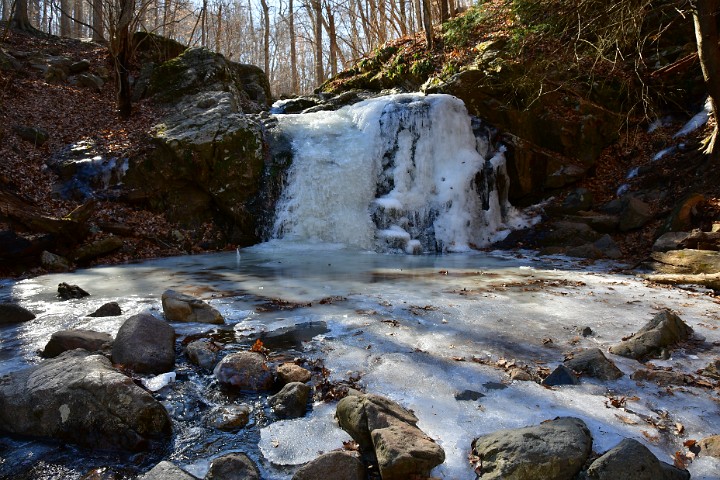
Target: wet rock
column 710, row 446
column 12, row 313
column 332, row 465
column 553, row 450
column 110, row 309
column 662, row 332
column 663, row 378
column 593, row 363
column 229, row 417
column 34, row 135
column 244, row 370
column 404, row 451
column 71, row 339
column 291, row 401
column 290, row 372
column 203, row 353
column 53, row 262
column 98, row 248
column 631, row 460
column 669, row 241
column 79, row 66
column 235, row 466
column 145, row 344
column 78, row 397
column 179, row 307
column 635, row 214
column 66, row 292
column 166, row 471
column 562, row 375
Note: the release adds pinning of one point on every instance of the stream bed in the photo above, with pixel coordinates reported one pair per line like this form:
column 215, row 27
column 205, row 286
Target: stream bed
column 435, row 333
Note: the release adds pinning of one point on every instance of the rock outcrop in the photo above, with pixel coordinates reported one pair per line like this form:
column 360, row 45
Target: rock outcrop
column 593, row 363
column 234, row 466
column 209, row 158
column 78, row 397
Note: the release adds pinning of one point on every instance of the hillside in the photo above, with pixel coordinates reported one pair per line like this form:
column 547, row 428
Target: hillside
column 523, row 61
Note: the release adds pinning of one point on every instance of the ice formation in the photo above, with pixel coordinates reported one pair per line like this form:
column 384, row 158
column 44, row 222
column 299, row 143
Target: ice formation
column 395, row 173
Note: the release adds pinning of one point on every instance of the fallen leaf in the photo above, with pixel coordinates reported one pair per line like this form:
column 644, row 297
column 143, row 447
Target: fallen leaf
column 626, row 420
column 680, row 428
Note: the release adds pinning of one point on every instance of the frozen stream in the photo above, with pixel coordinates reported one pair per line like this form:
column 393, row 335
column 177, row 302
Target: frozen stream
column 418, row 329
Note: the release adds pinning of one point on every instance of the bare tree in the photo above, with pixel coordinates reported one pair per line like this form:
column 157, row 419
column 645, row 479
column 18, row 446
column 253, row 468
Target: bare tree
column 19, row 18
column 427, row 22
column 266, row 35
column 317, row 30
column 293, row 49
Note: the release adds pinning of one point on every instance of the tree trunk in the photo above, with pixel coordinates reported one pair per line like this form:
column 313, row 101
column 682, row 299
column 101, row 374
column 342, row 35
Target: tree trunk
column 266, row 36
column 293, row 51
column 444, row 11
column 403, row 18
column 418, row 14
column 98, row 34
column 710, row 280
column 318, row 28
column 123, row 50
column 5, row 5
column 218, row 30
column 65, row 18
column 427, row 23
column 78, row 14
column 19, row 18
column 706, row 34
column 332, row 36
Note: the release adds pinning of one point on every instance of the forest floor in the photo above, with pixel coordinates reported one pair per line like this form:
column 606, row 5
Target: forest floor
column 71, row 113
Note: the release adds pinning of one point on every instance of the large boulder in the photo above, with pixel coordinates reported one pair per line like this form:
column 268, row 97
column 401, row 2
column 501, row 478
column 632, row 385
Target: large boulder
column 179, row 307
column 208, row 164
column 13, row 313
column 78, row 397
column 245, row 371
column 145, row 344
column 389, row 432
column 65, row 340
column 686, row 261
column 662, row 332
column 553, row 450
column 631, row 460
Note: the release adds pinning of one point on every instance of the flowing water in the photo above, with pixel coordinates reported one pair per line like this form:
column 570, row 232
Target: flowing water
column 433, row 332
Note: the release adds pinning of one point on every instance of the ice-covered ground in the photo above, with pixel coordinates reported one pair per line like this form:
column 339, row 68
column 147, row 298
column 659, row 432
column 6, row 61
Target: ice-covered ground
column 420, row 329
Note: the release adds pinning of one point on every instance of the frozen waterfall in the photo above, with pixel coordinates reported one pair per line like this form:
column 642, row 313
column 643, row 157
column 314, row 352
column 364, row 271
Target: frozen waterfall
column 396, row 173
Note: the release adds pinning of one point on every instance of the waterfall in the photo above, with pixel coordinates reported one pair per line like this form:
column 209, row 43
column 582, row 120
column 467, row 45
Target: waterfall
column 397, row 173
